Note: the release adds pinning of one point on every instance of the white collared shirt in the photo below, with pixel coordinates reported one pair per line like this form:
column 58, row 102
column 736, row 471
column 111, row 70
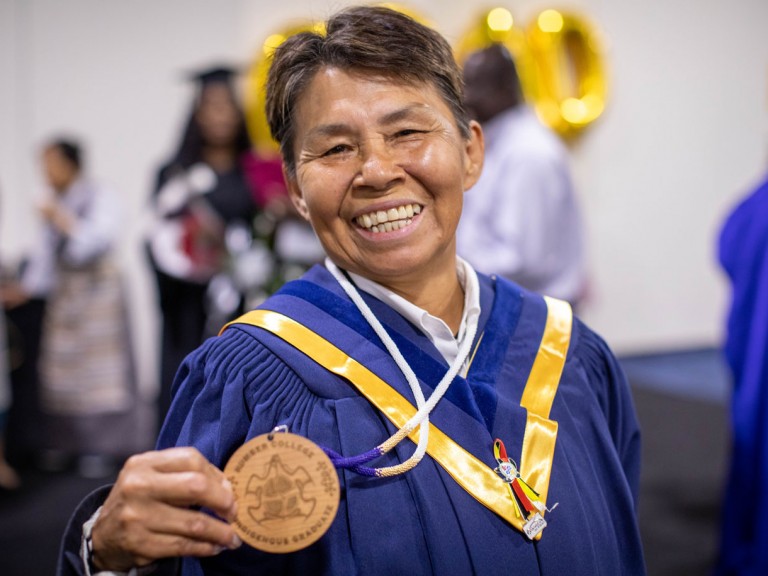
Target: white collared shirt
column 433, row 327
column 522, row 218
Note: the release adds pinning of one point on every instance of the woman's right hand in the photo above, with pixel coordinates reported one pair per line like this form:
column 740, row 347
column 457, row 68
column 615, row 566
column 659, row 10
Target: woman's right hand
column 151, row 512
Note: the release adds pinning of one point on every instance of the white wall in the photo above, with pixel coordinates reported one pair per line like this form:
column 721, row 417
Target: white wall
column 683, row 136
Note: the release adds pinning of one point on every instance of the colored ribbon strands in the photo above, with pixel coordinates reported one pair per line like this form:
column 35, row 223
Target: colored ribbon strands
column 527, row 502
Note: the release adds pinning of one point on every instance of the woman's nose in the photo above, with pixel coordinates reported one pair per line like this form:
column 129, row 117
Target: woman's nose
column 379, row 166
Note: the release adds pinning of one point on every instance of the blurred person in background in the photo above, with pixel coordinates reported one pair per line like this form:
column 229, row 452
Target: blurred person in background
column 201, row 201
column 521, row 219
column 23, row 313
column 224, row 234
column 743, row 254
column 9, row 479
column 87, row 383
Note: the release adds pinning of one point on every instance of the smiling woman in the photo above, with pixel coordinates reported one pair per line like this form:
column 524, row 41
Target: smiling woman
column 395, row 359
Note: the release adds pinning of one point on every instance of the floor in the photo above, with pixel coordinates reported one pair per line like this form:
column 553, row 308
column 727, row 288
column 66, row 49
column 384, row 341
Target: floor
column 681, row 399
column 681, row 403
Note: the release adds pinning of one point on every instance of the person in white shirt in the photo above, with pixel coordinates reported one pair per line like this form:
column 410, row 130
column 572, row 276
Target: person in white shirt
column 87, row 383
column 521, row 219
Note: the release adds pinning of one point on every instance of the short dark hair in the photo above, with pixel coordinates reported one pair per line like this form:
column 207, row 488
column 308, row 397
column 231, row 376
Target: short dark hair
column 370, row 39
column 491, row 83
column 68, row 148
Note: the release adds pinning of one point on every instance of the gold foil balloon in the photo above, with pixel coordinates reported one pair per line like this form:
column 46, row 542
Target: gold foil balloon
column 497, row 26
column 569, row 86
column 256, row 81
column 559, row 60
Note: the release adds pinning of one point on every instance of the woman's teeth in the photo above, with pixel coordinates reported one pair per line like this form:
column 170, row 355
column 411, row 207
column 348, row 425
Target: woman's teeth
column 389, row 220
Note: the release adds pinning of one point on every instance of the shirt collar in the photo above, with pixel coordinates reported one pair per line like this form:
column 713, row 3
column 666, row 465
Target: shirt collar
column 434, row 328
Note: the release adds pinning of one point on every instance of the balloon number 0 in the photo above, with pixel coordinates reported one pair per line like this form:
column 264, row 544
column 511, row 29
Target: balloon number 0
column 569, row 88
column 560, row 61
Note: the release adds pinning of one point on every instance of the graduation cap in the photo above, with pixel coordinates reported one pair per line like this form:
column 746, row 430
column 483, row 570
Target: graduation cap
column 214, row 74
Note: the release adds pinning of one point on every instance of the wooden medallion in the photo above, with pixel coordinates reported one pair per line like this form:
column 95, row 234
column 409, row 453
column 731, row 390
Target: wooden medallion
column 287, row 492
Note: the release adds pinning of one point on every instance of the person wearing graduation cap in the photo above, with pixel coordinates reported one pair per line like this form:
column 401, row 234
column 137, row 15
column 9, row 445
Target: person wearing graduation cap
column 201, row 194
column 393, row 411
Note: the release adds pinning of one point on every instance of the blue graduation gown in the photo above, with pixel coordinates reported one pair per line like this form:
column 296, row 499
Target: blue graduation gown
column 743, row 253
column 247, row 381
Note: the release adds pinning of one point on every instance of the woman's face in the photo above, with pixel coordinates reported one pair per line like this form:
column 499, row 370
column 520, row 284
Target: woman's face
column 217, row 115
column 381, row 170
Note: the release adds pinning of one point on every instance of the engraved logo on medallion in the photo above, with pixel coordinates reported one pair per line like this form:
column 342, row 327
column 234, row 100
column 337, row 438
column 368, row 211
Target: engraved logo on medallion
column 279, row 493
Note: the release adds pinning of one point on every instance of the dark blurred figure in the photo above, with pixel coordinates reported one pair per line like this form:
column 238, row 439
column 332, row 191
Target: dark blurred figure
column 521, row 219
column 743, row 254
column 23, row 316
column 87, row 386
column 9, row 479
column 202, row 202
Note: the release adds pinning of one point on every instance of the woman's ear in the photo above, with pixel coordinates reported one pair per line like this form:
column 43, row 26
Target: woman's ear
column 474, row 151
column 294, row 191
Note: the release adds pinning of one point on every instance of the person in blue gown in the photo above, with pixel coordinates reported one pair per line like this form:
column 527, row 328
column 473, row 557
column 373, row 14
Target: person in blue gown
column 743, row 254
column 420, row 378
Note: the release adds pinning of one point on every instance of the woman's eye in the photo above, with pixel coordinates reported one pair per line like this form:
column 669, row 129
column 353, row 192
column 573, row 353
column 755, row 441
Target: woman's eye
column 338, row 149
